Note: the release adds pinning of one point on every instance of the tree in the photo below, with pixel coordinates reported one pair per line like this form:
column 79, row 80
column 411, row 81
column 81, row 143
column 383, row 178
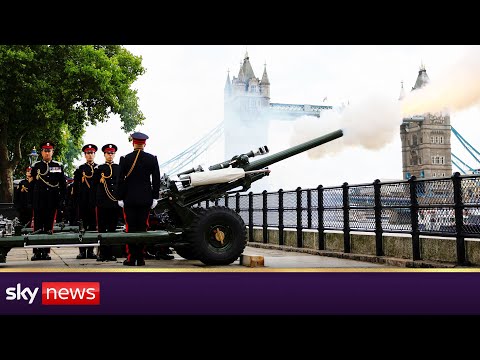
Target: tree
column 52, row 92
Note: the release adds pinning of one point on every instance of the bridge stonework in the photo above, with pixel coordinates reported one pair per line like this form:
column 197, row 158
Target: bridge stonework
column 426, row 147
column 248, row 111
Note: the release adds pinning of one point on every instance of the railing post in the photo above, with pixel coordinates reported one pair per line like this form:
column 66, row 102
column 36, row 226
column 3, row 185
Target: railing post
column 378, row 219
column 280, row 217
column 250, row 216
column 309, row 208
column 346, row 219
column 299, row 218
column 320, row 226
column 457, row 198
column 414, row 219
column 237, row 203
column 265, row 218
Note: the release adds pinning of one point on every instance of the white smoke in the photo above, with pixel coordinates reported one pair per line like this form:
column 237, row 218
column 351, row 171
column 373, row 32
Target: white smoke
column 370, row 124
column 373, row 121
column 455, row 89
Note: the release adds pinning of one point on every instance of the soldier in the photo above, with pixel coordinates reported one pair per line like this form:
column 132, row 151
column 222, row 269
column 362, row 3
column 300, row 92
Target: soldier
column 48, row 185
column 22, row 199
column 105, row 180
column 137, row 192
column 84, row 196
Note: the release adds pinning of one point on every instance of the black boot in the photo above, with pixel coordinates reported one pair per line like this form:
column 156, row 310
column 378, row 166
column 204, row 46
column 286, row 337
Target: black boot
column 36, row 255
column 90, row 253
column 129, row 261
column 82, row 254
column 108, row 254
column 140, row 255
column 45, row 255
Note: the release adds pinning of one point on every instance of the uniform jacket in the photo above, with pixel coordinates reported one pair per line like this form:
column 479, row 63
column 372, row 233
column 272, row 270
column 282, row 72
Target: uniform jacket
column 48, row 184
column 106, row 188
column 142, row 185
column 83, row 187
column 22, row 195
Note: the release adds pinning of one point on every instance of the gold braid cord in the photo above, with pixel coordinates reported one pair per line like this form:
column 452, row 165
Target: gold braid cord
column 133, row 165
column 85, row 177
column 24, row 189
column 105, row 185
column 39, row 177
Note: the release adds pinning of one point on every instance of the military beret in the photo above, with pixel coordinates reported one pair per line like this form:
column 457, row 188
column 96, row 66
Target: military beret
column 109, row 147
column 90, row 147
column 139, row 138
column 47, row 145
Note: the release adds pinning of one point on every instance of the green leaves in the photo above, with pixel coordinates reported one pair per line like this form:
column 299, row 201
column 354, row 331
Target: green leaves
column 55, row 91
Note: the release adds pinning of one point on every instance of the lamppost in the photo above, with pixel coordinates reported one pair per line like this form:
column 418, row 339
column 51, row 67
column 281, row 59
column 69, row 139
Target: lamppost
column 33, row 156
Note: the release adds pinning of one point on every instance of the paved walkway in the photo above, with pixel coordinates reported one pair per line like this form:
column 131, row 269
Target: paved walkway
column 65, row 258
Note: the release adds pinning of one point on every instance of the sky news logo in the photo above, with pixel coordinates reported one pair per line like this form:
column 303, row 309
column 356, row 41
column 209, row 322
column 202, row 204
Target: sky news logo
column 57, row 293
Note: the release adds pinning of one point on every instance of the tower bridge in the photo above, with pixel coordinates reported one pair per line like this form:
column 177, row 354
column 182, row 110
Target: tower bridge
column 247, row 116
column 248, row 112
column 290, row 111
column 426, row 141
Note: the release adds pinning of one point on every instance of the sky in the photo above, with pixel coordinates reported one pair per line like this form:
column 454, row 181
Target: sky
column 181, row 95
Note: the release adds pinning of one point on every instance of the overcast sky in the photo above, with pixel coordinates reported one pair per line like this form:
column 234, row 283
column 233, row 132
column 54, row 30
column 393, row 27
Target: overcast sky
column 182, row 93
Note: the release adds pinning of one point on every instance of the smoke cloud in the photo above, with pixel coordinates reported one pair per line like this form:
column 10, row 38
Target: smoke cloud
column 371, row 124
column 373, row 121
column 455, row 89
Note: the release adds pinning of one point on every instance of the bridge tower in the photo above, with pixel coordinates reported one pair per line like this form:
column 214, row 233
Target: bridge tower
column 426, row 147
column 246, row 107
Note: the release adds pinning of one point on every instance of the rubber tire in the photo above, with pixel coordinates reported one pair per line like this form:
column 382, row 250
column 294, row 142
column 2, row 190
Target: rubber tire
column 200, row 236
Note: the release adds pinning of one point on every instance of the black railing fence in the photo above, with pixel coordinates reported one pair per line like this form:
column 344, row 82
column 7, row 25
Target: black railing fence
column 444, row 207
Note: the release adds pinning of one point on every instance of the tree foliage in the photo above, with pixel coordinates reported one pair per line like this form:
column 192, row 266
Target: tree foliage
column 53, row 92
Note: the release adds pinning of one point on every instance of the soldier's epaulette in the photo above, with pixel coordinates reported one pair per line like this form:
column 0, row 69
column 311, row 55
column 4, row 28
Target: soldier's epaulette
column 35, row 163
column 58, row 162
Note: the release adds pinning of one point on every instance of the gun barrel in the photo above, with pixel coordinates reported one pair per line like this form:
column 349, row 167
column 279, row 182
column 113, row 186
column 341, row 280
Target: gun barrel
column 282, row 155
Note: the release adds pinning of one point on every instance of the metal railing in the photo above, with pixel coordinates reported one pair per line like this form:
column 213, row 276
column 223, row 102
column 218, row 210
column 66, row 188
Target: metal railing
column 443, row 207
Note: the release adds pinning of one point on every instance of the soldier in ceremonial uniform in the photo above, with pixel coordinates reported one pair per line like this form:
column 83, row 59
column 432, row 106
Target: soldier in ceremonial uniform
column 22, row 199
column 84, row 196
column 137, row 192
column 105, row 180
column 48, row 194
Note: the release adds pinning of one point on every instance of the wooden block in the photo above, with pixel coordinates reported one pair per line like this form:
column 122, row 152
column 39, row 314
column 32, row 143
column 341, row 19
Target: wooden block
column 252, row 260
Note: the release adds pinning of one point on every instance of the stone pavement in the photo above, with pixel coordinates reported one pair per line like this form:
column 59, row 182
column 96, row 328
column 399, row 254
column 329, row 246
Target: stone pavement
column 65, row 258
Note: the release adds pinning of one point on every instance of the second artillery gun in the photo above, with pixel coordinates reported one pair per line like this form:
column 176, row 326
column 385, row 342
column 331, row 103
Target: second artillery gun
column 215, row 235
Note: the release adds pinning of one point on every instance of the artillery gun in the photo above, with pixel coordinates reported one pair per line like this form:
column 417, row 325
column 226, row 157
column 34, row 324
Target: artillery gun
column 215, row 235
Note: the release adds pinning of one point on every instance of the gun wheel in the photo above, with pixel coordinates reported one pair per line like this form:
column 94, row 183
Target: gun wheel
column 217, row 236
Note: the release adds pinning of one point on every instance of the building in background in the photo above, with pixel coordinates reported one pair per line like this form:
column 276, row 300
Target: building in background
column 248, row 113
column 246, row 104
column 426, row 147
